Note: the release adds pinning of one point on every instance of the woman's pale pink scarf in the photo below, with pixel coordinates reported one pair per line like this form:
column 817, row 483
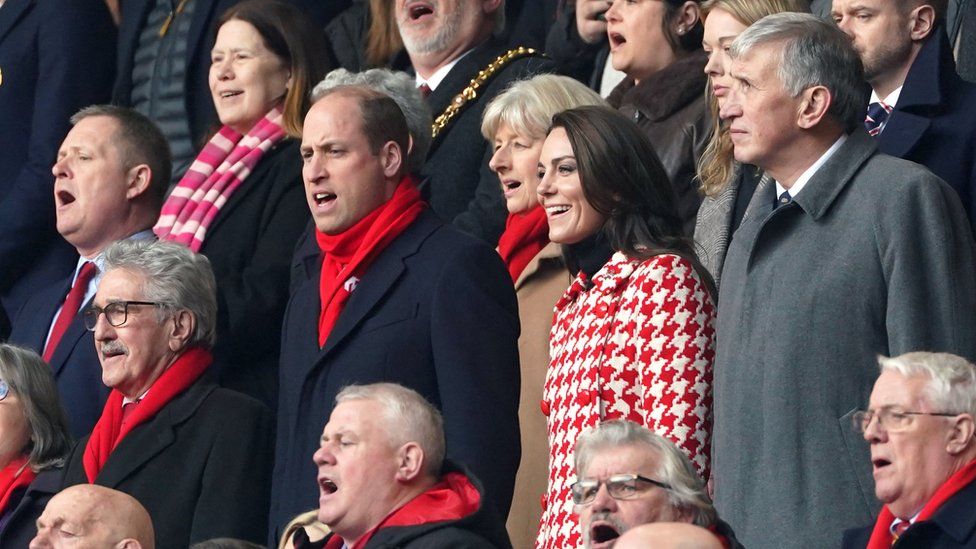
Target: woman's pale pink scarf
column 220, row 168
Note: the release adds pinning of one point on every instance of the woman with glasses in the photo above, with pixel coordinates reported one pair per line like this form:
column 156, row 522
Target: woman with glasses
column 729, row 187
column 34, row 442
column 242, row 203
column 633, row 335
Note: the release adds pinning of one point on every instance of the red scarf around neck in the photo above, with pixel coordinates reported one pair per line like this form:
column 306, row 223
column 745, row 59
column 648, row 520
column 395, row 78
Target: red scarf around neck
column 453, row 498
column 109, row 431
column 348, row 254
column 525, row 235
column 881, row 534
column 17, row 474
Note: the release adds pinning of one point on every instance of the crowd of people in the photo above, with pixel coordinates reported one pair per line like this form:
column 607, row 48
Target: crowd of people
column 457, row 273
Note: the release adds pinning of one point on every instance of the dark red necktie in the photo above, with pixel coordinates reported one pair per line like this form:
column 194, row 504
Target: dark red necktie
column 899, row 530
column 69, row 310
column 128, row 408
column 425, row 90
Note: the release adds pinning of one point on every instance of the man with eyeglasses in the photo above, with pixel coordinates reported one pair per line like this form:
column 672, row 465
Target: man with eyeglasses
column 627, row 476
column 920, row 425
column 109, row 180
column 198, row 457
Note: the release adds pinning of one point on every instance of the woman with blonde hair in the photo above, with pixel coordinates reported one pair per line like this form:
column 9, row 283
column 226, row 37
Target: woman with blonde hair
column 730, row 188
column 517, row 121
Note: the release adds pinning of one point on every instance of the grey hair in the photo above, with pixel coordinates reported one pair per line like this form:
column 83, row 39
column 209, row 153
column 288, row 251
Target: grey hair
column 399, row 86
column 527, row 106
column 687, row 491
column 30, row 378
column 409, row 418
column 175, row 277
column 139, row 141
column 812, row 52
column 952, row 379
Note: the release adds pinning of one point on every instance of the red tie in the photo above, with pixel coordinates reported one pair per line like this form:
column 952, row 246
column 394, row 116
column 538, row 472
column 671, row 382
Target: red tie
column 899, row 529
column 128, row 408
column 425, row 90
column 69, row 310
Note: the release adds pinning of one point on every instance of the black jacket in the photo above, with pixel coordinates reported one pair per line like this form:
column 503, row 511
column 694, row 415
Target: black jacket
column 21, row 528
column 200, row 467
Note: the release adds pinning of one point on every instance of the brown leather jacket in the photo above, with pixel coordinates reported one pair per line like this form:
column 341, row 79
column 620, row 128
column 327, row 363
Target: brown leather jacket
column 670, row 108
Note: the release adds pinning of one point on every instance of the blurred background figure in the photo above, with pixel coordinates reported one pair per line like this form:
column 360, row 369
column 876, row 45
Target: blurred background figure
column 93, row 516
column 516, row 122
column 632, row 336
column 56, row 56
column 366, row 36
column 241, row 203
column 658, row 44
column 730, row 188
column 34, row 443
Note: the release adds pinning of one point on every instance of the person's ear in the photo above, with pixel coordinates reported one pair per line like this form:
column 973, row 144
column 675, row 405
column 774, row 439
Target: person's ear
column 960, row 435
column 814, row 106
column 183, row 325
column 489, row 6
column 138, row 181
column 687, row 18
column 921, row 21
column 392, row 158
column 128, row 543
column 410, row 462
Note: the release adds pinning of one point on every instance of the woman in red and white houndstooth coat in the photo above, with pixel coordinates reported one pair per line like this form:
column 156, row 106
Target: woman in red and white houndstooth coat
column 633, row 336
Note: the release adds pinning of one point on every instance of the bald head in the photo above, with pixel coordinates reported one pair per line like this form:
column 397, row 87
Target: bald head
column 94, row 517
column 668, row 535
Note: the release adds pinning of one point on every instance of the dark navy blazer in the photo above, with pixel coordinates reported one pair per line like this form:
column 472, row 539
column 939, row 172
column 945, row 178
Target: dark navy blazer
column 435, row 312
column 934, row 121
column 75, row 364
column 56, row 56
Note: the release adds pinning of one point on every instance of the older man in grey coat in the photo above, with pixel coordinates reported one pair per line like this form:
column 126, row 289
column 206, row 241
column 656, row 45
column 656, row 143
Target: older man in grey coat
column 856, row 254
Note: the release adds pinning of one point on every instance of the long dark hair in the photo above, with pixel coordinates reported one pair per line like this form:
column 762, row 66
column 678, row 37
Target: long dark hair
column 623, row 179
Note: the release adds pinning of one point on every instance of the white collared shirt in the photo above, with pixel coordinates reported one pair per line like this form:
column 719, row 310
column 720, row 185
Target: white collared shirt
column 440, row 74
column 898, row 521
column 891, row 101
column 809, row 173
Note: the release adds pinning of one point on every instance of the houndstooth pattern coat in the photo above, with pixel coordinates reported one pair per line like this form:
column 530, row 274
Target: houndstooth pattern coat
column 637, row 345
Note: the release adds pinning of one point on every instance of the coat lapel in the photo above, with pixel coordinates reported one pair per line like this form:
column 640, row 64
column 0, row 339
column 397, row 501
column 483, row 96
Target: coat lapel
column 11, row 12
column 75, row 332
column 552, row 252
column 148, row 440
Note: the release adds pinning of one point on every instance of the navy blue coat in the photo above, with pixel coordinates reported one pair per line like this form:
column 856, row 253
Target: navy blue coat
column 75, row 364
column 56, row 56
column 934, row 121
column 435, row 312
column 953, row 526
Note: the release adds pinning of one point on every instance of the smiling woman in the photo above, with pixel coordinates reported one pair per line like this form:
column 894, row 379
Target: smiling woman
column 241, row 202
column 632, row 336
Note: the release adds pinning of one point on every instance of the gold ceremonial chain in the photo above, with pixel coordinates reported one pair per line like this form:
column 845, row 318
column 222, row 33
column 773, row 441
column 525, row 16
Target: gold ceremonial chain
column 470, row 93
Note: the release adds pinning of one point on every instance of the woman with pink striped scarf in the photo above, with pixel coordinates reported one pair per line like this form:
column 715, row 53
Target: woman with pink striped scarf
column 241, row 203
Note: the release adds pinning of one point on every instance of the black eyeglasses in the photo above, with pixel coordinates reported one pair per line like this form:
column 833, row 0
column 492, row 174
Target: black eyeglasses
column 116, row 313
column 627, row 486
column 890, row 419
column 4, row 389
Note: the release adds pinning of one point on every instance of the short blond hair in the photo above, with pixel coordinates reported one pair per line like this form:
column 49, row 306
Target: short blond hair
column 527, row 106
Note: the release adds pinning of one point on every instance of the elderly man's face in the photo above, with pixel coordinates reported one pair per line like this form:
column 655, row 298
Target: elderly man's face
column 134, row 354
column 881, row 31
column 91, row 185
column 72, row 519
column 344, row 178
column 910, row 463
column 357, row 467
column 441, row 26
column 606, row 518
column 762, row 115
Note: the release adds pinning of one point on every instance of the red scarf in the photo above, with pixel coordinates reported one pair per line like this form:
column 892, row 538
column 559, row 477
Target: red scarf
column 17, row 474
column 525, row 235
column 453, row 498
column 110, row 430
column 881, row 535
column 220, row 168
column 347, row 255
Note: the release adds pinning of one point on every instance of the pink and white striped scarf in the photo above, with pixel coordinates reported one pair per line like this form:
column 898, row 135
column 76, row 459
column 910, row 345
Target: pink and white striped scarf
column 220, row 168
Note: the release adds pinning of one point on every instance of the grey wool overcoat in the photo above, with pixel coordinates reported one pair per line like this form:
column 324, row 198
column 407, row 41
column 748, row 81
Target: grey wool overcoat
column 874, row 256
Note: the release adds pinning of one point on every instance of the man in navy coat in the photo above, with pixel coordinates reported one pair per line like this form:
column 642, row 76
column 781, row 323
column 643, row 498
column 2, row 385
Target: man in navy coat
column 920, row 109
column 56, row 56
column 408, row 300
column 110, row 176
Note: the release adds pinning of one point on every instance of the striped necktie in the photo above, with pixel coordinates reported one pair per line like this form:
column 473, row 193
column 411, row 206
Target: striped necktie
column 876, row 118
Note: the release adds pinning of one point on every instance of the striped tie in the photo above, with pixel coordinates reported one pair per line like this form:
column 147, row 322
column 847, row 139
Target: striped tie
column 876, row 118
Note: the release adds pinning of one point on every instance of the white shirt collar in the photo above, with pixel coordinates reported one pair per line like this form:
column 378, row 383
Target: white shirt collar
column 891, row 100
column 898, row 521
column 809, row 173
column 441, row 73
